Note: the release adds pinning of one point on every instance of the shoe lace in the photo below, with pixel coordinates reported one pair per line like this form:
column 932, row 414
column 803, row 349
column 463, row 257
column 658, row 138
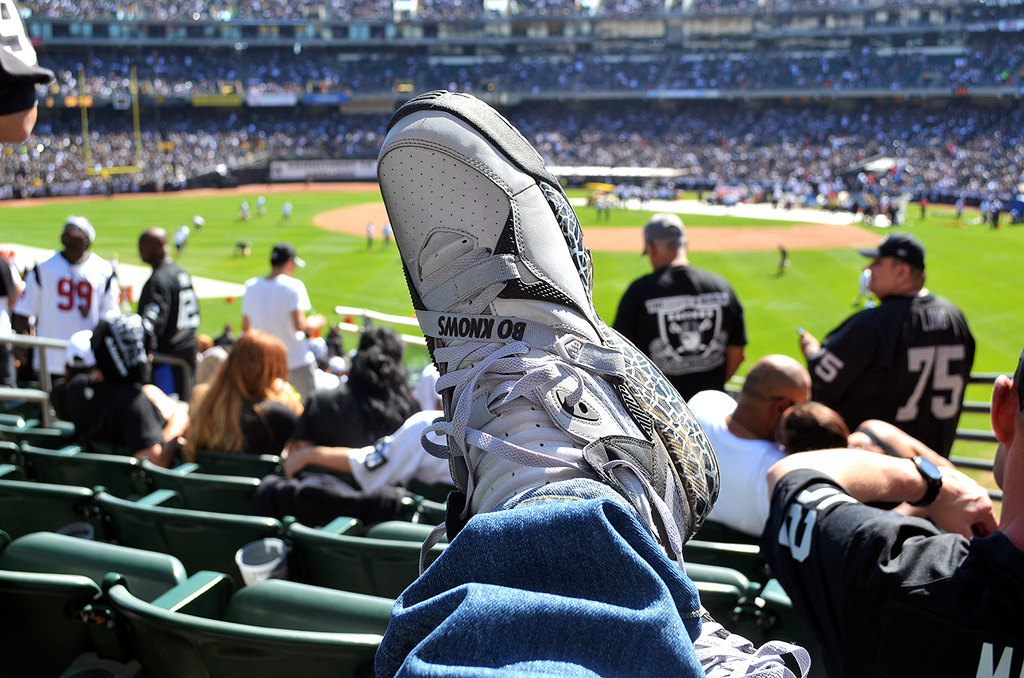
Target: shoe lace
column 510, row 371
column 724, row 654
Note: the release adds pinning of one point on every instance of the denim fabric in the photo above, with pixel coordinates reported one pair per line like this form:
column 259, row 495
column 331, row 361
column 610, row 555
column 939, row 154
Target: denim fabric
column 563, row 581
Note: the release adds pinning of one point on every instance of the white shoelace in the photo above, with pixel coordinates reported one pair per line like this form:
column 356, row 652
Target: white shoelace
column 509, row 373
column 725, row 655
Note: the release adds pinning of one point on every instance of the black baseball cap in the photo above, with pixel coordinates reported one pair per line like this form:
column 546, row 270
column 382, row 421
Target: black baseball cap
column 664, row 227
column 282, row 254
column 120, row 345
column 901, row 246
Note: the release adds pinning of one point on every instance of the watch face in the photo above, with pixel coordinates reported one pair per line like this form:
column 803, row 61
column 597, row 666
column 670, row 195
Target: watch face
column 928, row 469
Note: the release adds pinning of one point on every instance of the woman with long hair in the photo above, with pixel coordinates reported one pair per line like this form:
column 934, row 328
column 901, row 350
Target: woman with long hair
column 249, row 407
column 373, row 402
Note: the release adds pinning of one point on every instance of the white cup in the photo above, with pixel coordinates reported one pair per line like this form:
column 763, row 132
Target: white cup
column 262, row 559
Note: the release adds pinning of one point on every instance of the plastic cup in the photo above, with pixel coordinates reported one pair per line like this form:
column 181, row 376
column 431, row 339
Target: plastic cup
column 262, row 559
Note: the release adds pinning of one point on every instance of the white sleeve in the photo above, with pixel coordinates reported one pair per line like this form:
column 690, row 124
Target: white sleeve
column 394, row 459
column 28, row 303
column 110, row 302
column 302, row 302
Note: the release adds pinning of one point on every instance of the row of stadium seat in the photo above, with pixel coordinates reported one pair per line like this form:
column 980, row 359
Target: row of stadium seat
column 116, row 611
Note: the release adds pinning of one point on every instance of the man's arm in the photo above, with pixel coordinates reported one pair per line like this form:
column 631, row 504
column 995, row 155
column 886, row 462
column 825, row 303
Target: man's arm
column 307, row 454
column 962, row 506
column 154, row 305
column 734, row 357
column 307, row 325
column 896, row 443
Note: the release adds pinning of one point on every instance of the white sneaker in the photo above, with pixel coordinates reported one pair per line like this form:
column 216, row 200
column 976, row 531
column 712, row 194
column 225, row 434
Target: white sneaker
column 536, row 387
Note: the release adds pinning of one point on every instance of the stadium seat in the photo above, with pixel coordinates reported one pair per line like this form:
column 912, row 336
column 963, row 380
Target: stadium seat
column 60, row 434
column 376, row 567
column 150, row 574
column 12, row 472
column 201, row 491
column 33, row 507
column 438, row 493
column 333, row 635
column 121, row 476
column 719, row 532
column 245, row 465
column 201, row 540
column 43, row 606
column 401, row 530
column 744, row 558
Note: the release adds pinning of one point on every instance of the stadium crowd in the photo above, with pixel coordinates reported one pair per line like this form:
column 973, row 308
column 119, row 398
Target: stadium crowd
column 957, row 150
column 991, row 61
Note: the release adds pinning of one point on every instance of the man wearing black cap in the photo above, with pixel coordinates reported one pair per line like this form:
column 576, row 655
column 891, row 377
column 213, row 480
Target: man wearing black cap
column 906, row 361
column 687, row 320
column 278, row 304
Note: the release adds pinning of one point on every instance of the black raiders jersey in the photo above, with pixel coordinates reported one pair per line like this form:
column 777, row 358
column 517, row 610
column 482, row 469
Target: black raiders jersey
column 683, row 318
column 906, row 361
column 892, row 596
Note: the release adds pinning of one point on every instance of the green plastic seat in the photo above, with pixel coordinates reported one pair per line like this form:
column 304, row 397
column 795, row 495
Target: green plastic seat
column 201, row 540
column 12, row 472
column 401, row 530
column 744, row 558
column 170, row 643
column 53, row 437
column 720, row 532
column 376, row 567
column 245, row 465
column 201, row 491
column 42, row 630
column 150, row 574
column 27, row 507
column 122, row 476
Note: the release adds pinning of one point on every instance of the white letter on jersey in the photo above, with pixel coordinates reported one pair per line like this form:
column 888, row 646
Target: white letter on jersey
column 985, row 663
column 788, row 532
column 828, row 367
column 933, row 362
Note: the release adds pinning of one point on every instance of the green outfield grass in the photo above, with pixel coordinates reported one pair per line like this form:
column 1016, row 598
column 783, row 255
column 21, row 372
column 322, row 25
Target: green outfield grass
column 976, row 267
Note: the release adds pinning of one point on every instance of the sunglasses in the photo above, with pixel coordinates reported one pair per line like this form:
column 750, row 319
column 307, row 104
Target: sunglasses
column 1018, row 380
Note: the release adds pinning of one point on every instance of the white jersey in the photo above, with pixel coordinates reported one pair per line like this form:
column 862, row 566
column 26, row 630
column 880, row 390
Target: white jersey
column 268, row 303
column 67, row 298
column 400, row 457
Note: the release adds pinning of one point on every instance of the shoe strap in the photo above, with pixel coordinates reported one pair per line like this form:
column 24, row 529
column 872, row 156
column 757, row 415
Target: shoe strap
column 468, row 282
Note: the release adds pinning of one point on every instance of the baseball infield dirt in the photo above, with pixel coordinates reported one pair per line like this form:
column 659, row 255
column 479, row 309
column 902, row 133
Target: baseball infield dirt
column 353, row 220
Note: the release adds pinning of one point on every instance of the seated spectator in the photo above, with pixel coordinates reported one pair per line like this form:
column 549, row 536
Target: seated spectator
column 426, row 388
column 208, row 362
column 106, row 398
column 811, row 426
column 742, row 433
column 249, row 407
column 378, row 471
column 373, row 402
column 864, row 577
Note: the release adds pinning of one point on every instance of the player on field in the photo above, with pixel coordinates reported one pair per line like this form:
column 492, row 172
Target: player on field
column 905, row 361
column 70, row 291
column 169, row 304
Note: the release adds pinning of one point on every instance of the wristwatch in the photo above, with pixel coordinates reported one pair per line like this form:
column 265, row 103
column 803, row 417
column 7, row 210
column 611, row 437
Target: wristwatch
column 932, row 475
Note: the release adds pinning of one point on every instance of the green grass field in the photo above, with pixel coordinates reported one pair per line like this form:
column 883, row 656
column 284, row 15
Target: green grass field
column 972, row 265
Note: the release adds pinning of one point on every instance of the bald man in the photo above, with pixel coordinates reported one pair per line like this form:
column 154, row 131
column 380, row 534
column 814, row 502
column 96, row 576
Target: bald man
column 168, row 303
column 742, row 432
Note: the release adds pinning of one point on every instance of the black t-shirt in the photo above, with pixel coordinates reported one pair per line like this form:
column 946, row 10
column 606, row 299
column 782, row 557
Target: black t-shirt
column 683, row 319
column 168, row 301
column 889, row 595
column 905, row 361
column 266, row 427
column 333, row 418
column 117, row 414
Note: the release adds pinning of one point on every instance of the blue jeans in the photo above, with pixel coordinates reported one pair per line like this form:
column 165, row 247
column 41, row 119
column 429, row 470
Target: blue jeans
column 563, row 580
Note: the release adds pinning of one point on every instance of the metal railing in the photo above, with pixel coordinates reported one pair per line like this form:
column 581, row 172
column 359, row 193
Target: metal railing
column 41, row 395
